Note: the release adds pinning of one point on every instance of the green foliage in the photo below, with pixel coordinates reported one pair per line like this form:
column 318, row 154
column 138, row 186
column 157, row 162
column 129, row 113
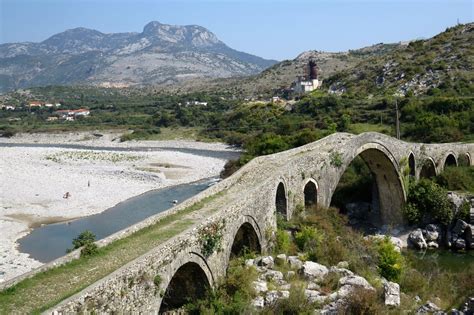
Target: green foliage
column 390, row 260
column 85, row 240
column 232, row 296
column 426, row 200
column 157, row 280
column 463, row 212
column 140, row 134
column 335, row 159
column 308, row 238
column 210, row 238
column 297, row 303
column 283, row 241
column 457, row 178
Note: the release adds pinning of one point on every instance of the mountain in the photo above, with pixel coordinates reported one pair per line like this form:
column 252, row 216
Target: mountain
column 161, row 54
column 441, row 64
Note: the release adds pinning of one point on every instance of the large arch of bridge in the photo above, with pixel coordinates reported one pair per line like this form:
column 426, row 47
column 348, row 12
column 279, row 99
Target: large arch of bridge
column 385, row 169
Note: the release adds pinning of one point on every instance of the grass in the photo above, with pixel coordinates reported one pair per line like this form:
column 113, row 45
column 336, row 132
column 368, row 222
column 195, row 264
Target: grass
column 48, row 288
column 180, row 133
column 364, row 127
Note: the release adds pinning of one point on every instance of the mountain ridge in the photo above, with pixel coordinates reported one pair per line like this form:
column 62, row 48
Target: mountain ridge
column 160, row 54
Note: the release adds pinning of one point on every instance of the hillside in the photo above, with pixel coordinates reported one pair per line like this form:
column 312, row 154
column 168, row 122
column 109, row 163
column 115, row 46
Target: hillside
column 161, row 54
column 439, row 65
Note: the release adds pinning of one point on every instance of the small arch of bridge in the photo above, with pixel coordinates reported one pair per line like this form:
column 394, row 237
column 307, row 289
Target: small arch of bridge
column 428, row 168
column 310, row 192
column 450, row 159
column 281, row 199
column 190, row 280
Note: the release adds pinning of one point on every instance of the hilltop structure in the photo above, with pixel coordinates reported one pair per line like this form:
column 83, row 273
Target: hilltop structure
column 308, row 82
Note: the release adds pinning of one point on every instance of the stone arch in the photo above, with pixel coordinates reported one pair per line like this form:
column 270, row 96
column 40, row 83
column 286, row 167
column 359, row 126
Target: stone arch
column 412, row 164
column 249, row 222
column 388, row 183
column 310, row 192
column 281, row 200
column 189, row 282
column 428, row 169
column 450, row 160
column 245, row 239
column 464, row 159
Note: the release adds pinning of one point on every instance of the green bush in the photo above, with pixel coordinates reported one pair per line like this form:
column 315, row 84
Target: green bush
column 283, row 241
column 390, row 260
column 308, row 238
column 85, row 240
column 457, row 178
column 426, row 201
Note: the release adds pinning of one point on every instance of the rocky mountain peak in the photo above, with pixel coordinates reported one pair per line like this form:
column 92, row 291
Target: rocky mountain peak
column 193, row 35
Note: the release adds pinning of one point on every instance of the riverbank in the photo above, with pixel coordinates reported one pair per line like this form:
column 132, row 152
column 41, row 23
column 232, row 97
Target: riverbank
column 42, row 185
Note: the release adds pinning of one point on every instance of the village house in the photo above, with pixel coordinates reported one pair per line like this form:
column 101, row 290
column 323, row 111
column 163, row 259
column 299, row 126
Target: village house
column 71, row 114
column 35, row 104
column 7, row 107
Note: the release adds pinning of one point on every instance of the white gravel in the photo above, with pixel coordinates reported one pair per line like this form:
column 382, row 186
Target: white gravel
column 35, row 180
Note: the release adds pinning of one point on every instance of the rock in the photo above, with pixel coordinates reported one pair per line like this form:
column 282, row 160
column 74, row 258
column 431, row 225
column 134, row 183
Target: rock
column 456, row 200
column 313, row 286
column 258, row 302
column 357, row 281
column 432, row 232
column 249, row 262
column 417, row 299
column 341, row 271
column 432, row 244
column 295, row 262
column 460, row 244
column 266, row 261
column 311, row 295
column 311, row 270
column 459, row 227
column 285, row 287
column 280, row 259
column 392, row 294
column 342, row 264
column 272, row 275
column 271, row 297
column 285, row 294
column 468, row 236
column 349, row 283
column 260, row 286
column 428, row 308
column 416, row 239
column 290, row 275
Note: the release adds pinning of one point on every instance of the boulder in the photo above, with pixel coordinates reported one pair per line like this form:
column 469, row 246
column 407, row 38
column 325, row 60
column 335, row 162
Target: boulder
column 349, row 283
column 341, row 271
column 460, row 244
column 272, row 275
column 260, row 286
column 311, row 270
column 284, row 294
column 266, row 261
column 290, row 275
column 428, row 308
column 432, row 232
column 416, row 239
column 342, row 264
column 280, row 259
column 432, row 244
column 295, row 262
column 249, row 262
column 459, row 227
column 285, row 287
column 468, row 236
column 313, row 286
column 392, row 293
column 272, row 297
column 258, row 302
column 311, row 295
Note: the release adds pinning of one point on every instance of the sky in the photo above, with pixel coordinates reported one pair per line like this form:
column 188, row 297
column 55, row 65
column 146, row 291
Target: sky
column 278, row 29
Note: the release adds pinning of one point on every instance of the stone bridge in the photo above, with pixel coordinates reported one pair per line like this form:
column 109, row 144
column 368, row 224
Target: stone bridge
column 241, row 212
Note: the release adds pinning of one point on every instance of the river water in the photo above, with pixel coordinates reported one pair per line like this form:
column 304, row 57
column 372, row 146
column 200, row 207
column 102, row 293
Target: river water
column 51, row 241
